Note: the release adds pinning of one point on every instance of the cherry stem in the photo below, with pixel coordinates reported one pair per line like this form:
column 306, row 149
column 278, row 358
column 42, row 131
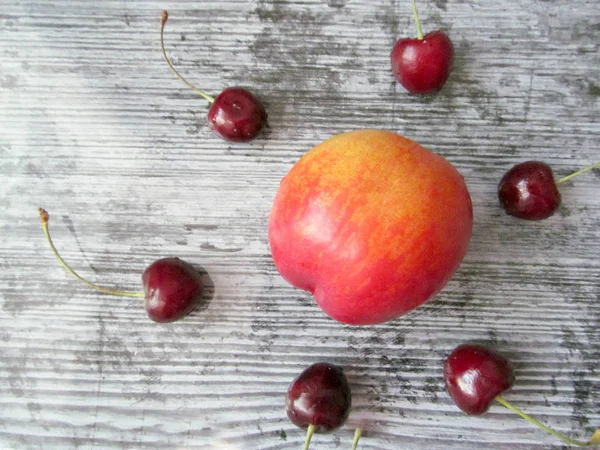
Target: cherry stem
column 579, row 172
column 163, row 20
column 309, row 434
column 357, row 435
column 44, row 218
column 417, row 21
column 593, row 441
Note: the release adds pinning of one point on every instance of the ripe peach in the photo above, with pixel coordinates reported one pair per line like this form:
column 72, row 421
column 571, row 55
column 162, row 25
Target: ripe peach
column 372, row 224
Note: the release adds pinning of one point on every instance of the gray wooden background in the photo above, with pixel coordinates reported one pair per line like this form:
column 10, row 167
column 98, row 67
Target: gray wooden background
column 96, row 129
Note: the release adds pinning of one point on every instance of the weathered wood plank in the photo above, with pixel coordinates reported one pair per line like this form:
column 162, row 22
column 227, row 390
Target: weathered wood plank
column 95, row 128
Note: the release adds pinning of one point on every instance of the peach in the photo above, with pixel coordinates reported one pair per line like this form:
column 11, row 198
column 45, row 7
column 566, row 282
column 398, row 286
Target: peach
column 372, row 224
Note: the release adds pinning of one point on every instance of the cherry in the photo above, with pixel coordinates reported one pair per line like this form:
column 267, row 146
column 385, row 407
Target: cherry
column 236, row 115
column 319, row 399
column 172, row 287
column 422, row 65
column 476, row 375
column 529, row 190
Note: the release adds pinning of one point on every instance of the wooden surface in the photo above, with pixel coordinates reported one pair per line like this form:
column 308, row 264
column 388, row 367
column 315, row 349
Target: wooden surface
column 96, row 129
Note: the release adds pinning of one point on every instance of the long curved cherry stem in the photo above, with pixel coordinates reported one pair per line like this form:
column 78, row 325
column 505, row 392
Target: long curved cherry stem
column 417, row 21
column 357, row 435
column 309, row 434
column 595, row 440
column 163, row 20
column 44, row 218
column 579, row 172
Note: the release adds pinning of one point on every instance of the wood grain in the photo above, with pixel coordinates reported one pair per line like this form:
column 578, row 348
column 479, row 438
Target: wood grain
column 96, row 129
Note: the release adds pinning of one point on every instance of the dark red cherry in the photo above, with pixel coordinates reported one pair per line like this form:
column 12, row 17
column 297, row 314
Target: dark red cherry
column 173, row 288
column 475, row 375
column 423, row 66
column 529, row 191
column 237, row 115
column 319, row 396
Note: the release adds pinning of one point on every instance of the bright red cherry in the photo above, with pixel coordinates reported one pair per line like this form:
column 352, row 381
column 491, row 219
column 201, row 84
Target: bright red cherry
column 172, row 287
column 529, row 190
column 422, row 65
column 236, row 115
column 319, row 399
column 475, row 375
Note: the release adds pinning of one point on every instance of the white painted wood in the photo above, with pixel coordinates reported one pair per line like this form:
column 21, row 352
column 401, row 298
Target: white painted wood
column 95, row 128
